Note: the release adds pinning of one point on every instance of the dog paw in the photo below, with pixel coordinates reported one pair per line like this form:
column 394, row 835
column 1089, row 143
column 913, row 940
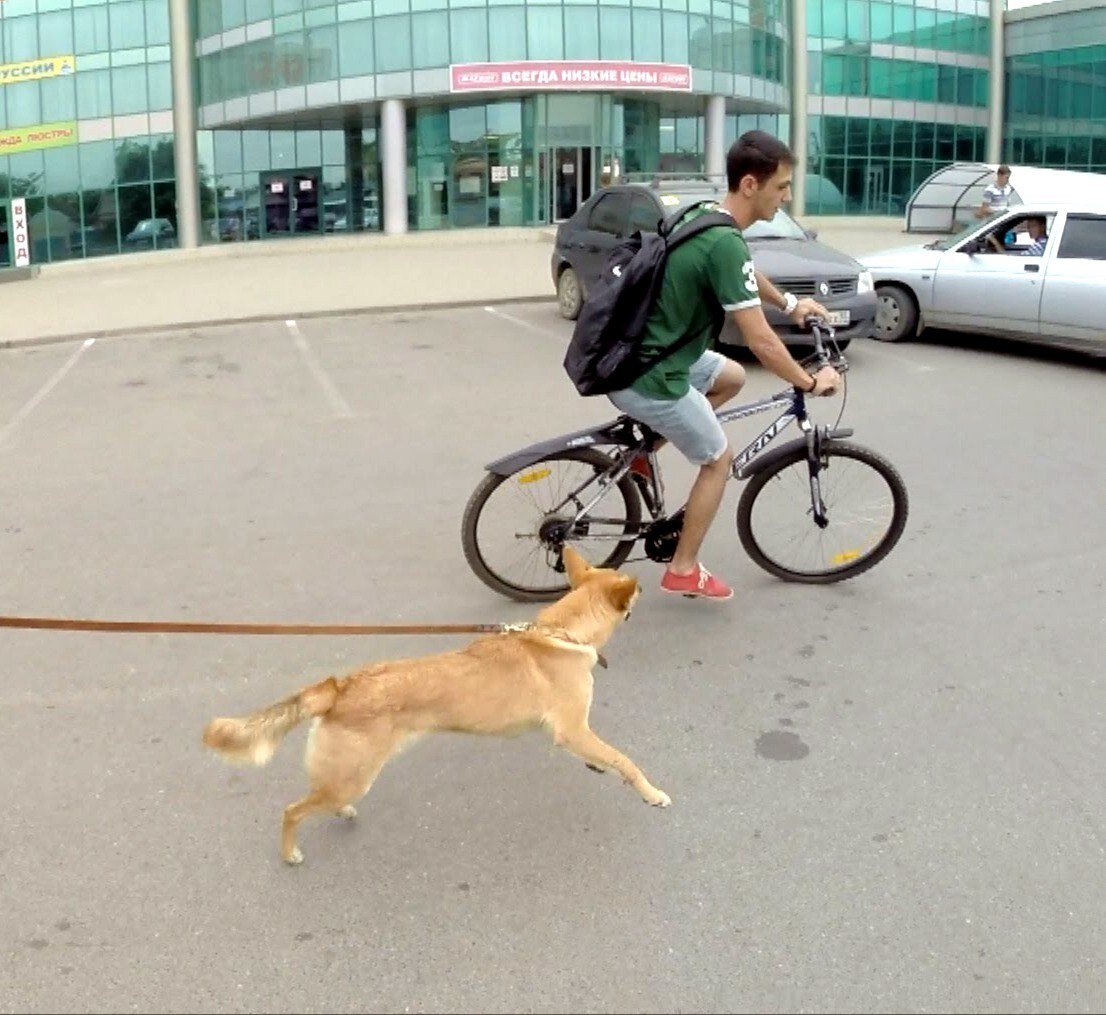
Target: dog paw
column 295, row 857
column 594, row 768
column 658, row 798
column 349, row 812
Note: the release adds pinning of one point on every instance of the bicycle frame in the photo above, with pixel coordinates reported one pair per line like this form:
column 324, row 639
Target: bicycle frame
column 790, row 398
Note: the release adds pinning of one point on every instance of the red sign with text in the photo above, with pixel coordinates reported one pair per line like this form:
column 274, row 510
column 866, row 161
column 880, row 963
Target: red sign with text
column 570, row 76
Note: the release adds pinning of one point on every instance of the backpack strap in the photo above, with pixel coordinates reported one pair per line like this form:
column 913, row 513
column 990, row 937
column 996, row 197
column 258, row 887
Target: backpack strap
column 675, row 234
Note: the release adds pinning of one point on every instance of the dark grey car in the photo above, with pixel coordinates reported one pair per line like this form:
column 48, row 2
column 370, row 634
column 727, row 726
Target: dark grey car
column 783, row 251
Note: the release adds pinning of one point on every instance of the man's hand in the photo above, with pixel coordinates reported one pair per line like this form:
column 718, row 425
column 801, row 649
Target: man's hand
column 806, row 307
column 826, row 382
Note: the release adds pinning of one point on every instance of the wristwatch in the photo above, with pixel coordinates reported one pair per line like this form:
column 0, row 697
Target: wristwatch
column 791, row 301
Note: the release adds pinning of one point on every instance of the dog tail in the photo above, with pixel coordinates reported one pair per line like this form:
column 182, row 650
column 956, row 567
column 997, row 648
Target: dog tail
column 253, row 739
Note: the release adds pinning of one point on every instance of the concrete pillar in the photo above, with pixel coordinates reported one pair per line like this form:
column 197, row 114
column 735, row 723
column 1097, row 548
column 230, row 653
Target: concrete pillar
column 182, row 47
column 393, row 161
column 800, row 87
column 714, row 136
column 996, row 98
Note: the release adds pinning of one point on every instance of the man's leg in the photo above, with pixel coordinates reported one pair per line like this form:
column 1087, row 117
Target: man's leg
column 702, row 506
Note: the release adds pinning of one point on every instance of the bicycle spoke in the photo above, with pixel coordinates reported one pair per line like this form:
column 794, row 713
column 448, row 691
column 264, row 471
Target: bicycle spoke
column 540, row 501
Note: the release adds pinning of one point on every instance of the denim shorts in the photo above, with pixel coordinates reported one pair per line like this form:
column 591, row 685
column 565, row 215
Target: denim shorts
column 688, row 422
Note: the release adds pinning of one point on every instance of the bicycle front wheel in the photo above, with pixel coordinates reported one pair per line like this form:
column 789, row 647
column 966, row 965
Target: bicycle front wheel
column 865, row 504
column 515, row 526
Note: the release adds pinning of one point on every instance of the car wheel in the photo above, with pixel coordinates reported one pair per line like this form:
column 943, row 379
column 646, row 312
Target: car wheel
column 569, row 297
column 896, row 314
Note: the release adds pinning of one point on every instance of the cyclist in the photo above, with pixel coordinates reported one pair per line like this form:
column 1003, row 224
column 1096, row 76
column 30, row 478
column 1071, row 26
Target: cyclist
column 678, row 395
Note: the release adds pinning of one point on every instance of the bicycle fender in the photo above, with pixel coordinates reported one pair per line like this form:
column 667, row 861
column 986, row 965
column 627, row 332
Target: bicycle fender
column 761, row 462
column 613, row 432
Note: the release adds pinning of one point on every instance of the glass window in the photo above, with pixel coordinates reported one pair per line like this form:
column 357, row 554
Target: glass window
column 59, row 99
column 161, row 86
column 290, row 60
column 544, row 33
column 157, row 23
column 355, row 48
column 1084, row 237
column 128, row 86
column 24, row 103
column 20, row 39
column 393, row 43
column 55, row 33
column 322, row 53
column 610, row 214
column 581, row 33
column 128, row 24
column 430, row 39
column 615, row 35
column 97, row 160
column 647, row 34
column 506, row 32
column 468, row 35
column 675, row 37
column 643, row 214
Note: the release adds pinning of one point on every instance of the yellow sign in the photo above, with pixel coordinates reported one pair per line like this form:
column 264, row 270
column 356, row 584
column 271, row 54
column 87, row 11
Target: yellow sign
column 32, row 70
column 42, row 135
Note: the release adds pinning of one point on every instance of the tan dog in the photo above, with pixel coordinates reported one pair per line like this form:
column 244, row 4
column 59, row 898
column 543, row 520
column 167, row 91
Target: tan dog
column 503, row 683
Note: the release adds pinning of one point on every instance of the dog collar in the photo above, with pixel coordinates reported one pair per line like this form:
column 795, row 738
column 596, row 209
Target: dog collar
column 554, row 632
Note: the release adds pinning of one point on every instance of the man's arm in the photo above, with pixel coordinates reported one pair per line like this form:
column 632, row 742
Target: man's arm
column 765, row 344
column 804, row 308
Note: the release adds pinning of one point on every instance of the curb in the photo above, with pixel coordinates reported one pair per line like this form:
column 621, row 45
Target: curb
column 160, row 329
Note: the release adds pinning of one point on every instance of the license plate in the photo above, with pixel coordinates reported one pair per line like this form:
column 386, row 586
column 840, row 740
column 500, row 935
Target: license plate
column 837, row 318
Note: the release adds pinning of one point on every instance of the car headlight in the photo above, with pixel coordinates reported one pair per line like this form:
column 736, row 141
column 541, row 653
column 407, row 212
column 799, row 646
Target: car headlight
column 864, row 283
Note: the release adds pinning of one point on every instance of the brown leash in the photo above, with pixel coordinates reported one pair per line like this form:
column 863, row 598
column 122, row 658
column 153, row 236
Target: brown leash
column 184, row 627
column 199, row 627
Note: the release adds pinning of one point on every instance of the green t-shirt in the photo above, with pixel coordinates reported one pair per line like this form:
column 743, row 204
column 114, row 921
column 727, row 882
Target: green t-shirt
column 712, row 268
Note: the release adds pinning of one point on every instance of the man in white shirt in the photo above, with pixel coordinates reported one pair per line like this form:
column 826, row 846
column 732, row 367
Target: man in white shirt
column 996, row 196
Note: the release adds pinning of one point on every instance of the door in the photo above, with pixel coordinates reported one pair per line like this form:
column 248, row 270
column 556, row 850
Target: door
column 1074, row 302
column 570, row 181
column 5, row 237
column 290, row 202
column 989, row 291
column 607, row 224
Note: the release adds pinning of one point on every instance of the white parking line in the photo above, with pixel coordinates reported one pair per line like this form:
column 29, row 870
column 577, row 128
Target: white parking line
column 43, row 392
column 524, row 324
column 333, row 395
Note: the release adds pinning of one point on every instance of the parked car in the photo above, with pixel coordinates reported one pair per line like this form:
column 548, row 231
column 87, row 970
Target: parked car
column 152, row 232
column 790, row 256
column 964, row 284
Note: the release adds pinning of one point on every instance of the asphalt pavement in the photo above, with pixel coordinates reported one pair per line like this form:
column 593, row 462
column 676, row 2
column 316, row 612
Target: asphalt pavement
column 887, row 793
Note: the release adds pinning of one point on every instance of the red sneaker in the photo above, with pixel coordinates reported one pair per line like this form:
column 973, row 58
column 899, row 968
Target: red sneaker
column 700, row 584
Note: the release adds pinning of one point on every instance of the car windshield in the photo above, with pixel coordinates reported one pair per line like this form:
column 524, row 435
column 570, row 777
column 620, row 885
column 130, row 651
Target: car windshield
column 964, row 233
column 781, row 227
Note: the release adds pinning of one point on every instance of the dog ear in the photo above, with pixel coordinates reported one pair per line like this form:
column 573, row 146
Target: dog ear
column 575, row 565
column 623, row 593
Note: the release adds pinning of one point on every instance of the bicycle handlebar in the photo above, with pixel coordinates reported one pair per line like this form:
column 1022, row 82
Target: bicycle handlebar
column 821, row 331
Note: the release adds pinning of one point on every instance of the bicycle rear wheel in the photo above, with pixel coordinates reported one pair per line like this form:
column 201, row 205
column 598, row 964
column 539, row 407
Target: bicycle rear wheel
column 865, row 503
column 511, row 527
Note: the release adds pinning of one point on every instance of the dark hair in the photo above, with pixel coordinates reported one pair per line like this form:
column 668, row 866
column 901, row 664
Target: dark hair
column 1003, row 170
column 758, row 154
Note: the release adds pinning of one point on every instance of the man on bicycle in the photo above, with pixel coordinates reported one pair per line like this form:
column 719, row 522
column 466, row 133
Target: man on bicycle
column 678, row 396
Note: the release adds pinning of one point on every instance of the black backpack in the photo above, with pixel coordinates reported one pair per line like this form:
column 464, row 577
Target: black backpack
column 605, row 352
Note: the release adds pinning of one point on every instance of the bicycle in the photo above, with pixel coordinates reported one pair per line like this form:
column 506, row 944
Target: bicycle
column 796, row 501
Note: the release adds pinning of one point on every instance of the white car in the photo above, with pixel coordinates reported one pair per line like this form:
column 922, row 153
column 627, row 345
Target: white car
column 989, row 279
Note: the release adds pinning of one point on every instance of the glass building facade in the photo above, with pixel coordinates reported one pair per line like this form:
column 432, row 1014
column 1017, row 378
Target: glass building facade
column 320, row 116
column 1056, row 86
column 86, row 127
